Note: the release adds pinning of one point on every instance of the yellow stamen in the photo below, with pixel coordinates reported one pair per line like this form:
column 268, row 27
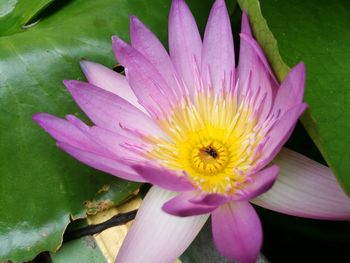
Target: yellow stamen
column 212, row 139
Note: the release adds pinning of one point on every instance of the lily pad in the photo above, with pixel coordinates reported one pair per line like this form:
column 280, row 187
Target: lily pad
column 318, row 33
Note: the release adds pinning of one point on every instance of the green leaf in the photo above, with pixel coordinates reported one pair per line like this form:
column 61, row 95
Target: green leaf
column 15, row 14
column 318, row 33
column 81, row 250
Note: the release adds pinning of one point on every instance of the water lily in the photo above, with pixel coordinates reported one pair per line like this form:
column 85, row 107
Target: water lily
column 203, row 131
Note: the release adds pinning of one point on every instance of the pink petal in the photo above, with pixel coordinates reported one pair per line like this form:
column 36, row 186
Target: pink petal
column 218, row 53
column 253, row 67
column 63, row 131
column 143, row 40
column 150, row 88
column 105, row 78
column 260, row 183
column 237, row 231
column 75, row 142
column 108, row 110
column 291, row 91
column 209, row 199
column 305, row 188
column 247, row 57
column 110, row 141
column 279, row 134
column 164, row 178
column 255, row 47
column 103, row 163
column 185, row 44
column 181, row 205
column 156, row 236
column 250, row 51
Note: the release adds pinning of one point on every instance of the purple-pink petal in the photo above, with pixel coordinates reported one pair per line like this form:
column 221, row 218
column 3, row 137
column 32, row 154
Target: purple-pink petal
column 163, row 177
column 74, row 141
column 63, row 131
column 209, row 199
column 143, row 40
column 237, row 231
column 252, row 68
column 218, row 56
column 305, row 188
column 185, row 44
column 279, row 134
column 259, row 183
column 105, row 78
column 108, row 110
column 257, row 50
column 182, row 206
column 102, row 163
column 151, row 90
column 112, row 142
column 291, row 91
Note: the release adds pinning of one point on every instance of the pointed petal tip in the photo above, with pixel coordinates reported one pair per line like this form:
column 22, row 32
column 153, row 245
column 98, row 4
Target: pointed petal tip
column 245, row 24
column 120, row 49
column 301, row 64
column 219, row 3
column 37, row 117
column 300, row 70
column 177, row 5
column 71, row 85
column 118, row 44
column 115, row 38
column 118, row 41
column 85, row 65
column 245, row 18
column 219, row 6
column 135, row 21
column 177, row 1
column 42, row 119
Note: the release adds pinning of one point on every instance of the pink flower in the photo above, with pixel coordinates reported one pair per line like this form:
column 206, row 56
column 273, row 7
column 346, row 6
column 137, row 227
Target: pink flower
column 202, row 129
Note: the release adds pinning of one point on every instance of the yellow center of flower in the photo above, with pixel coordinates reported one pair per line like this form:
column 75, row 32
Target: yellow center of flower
column 212, row 139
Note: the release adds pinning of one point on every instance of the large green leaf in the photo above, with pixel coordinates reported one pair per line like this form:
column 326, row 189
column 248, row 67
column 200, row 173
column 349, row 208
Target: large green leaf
column 81, row 250
column 16, row 14
column 318, row 33
column 41, row 187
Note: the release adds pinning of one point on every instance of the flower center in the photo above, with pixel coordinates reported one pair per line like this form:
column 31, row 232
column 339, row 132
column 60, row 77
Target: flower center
column 209, row 157
column 212, row 139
